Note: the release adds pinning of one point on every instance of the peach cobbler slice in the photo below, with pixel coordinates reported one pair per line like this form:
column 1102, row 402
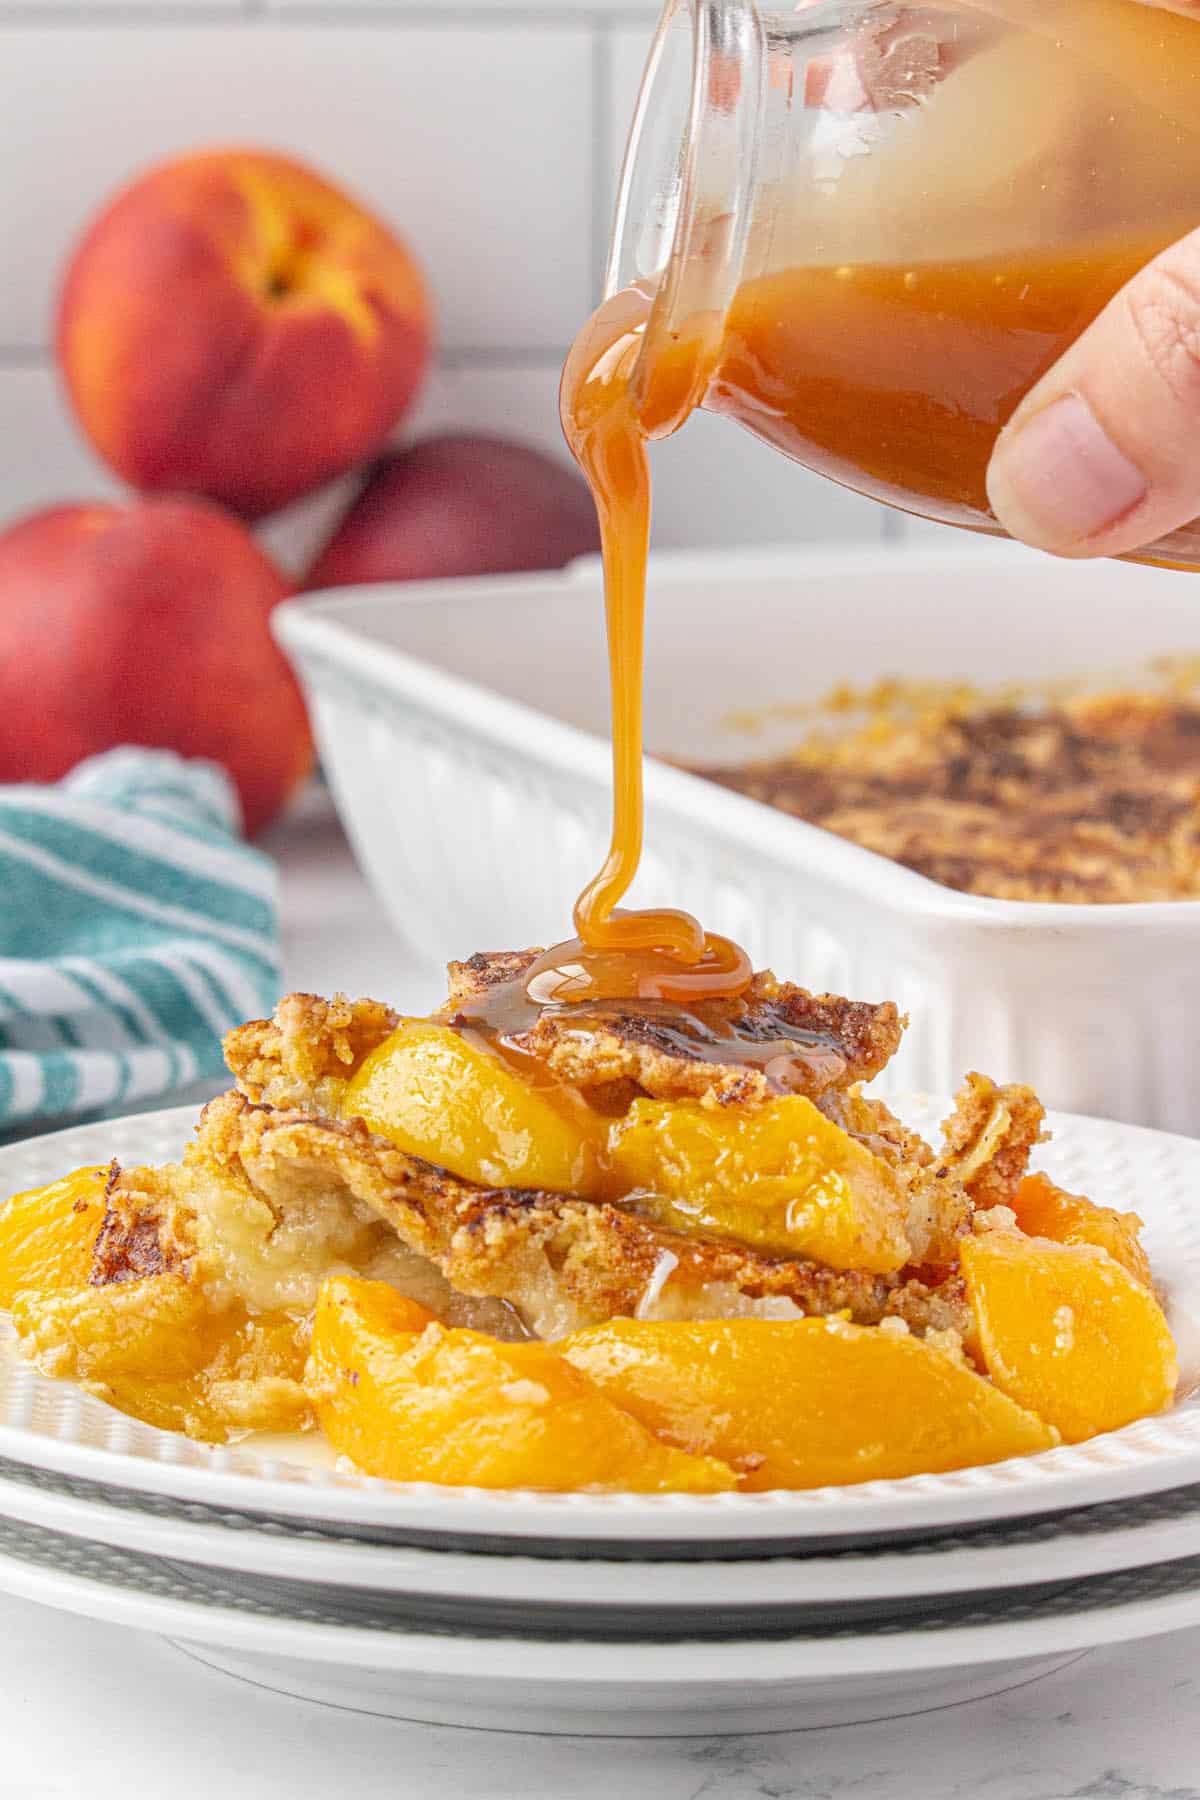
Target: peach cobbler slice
column 622, row 1245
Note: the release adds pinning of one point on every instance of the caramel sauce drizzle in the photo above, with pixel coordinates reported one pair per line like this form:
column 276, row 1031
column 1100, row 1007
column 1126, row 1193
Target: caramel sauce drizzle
column 660, row 954
column 795, row 1059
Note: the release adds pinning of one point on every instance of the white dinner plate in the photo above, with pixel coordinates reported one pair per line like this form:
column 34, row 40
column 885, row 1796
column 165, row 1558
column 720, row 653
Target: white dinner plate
column 516, row 1681
column 1017, row 1554
column 54, row 1426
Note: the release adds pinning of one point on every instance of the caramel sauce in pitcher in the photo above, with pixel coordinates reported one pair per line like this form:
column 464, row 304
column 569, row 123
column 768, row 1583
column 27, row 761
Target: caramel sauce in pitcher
column 895, row 380
column 892, row 380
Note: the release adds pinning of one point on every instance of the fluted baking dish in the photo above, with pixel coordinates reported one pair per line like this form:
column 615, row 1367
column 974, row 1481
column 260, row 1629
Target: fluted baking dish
column 463, row 726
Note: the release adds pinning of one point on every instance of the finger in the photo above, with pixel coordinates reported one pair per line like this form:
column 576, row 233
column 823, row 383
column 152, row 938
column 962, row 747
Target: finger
column 1103, row 455
column 1190, row 9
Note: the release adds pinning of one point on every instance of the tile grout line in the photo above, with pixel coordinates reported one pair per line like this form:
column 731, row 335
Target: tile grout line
column 516, row 15
column 41, row 357
column 57, row 14
column 52, row 16
column 561, row 14
column 473, row 356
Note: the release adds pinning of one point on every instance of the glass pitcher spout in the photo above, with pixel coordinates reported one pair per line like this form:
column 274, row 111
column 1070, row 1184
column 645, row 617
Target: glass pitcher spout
column 687, row 193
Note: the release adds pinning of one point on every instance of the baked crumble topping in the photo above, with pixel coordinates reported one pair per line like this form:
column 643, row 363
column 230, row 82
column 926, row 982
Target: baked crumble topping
column 1086, row 800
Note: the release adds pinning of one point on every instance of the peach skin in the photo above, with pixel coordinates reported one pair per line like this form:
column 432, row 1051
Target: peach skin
column 146, row 624
column 234, row 326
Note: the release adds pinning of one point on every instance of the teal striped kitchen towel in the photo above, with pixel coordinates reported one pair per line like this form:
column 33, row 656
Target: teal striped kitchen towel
column 135, row 928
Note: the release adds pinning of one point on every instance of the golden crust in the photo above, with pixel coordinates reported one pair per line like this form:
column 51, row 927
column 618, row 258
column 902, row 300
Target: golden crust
column 147, row 1230
column 679, row 1057
column 939, row 1207
column 478, row 975
column 989, row 1137
column 307, row 1052
column 272, row 1163
column 301, row 1060
column 242, row 1236
column 674, row 1055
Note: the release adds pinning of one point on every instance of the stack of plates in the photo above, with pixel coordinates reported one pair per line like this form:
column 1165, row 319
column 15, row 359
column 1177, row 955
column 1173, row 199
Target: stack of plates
column 617, row 1613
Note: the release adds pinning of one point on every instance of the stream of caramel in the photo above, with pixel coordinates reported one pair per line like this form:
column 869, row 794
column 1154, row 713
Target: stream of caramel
column 661, row 954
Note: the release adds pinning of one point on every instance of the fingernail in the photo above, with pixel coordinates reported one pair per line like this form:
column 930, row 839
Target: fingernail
column 1060, row 479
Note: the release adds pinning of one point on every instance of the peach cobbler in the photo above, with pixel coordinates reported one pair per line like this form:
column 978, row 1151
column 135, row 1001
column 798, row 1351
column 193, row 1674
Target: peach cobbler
column 626, row 1245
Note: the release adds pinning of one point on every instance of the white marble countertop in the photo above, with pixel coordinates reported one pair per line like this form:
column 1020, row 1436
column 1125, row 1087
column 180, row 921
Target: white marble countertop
column 93, row 1712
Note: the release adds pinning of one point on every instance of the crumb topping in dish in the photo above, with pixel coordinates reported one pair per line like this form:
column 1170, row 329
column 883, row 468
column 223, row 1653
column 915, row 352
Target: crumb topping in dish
column 1089, row 799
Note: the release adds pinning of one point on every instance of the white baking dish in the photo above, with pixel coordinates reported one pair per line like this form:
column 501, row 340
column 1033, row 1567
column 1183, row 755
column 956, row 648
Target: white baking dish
column 464, row 729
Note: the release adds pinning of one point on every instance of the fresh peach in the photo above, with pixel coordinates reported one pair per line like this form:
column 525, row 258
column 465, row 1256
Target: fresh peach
column 234, row 326
column 459, row 505
column 146, row 624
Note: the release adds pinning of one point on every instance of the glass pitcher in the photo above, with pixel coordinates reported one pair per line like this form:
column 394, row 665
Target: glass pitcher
column 868, row 228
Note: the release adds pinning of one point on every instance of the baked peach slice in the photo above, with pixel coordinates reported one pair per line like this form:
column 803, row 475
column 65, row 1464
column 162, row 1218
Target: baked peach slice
column 782, row 1177
column 1068, row 1332
column 409, row 1399
column 47, row 1235
column 1046, row 1211
column 798, row 1404
column 435, row 1094
column 158, row 1350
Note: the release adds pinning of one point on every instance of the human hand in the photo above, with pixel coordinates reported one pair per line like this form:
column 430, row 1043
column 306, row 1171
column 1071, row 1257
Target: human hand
column 1103, row 455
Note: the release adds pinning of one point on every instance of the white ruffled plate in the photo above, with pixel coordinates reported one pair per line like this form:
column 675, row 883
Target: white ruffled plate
column 312, row 1645
column 697, row 1597
column 52, row 1426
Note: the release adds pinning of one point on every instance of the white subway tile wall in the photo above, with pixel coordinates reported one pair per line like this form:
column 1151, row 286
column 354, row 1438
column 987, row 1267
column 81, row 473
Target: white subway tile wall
column 477, row 144
column 489, row 133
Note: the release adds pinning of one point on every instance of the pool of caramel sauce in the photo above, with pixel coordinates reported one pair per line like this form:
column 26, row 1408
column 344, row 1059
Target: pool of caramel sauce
column 793, row 1058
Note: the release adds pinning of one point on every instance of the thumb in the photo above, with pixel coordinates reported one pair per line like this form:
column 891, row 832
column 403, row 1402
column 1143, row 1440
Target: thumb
column 1103, row 455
